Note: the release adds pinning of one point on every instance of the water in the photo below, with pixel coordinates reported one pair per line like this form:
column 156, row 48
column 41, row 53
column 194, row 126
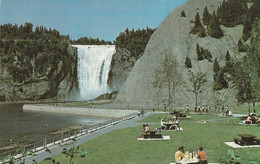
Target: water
column 27, row 127
column 93, row 68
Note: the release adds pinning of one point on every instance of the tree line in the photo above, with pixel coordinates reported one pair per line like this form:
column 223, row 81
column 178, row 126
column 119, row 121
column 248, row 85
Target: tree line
column 134, row 41
column 90, row 41
column 230, row 13
column 30, row 55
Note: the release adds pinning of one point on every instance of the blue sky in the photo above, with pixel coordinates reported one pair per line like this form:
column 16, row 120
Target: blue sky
column 92, row 18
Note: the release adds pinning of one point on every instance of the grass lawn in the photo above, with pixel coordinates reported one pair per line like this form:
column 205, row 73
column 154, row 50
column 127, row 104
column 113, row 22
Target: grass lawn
column 122, row 147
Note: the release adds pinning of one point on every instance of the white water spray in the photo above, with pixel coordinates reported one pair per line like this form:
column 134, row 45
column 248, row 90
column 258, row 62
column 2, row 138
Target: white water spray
column 93, row 68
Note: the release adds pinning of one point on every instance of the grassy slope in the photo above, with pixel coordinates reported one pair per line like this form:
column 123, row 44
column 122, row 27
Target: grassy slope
column 121, row 146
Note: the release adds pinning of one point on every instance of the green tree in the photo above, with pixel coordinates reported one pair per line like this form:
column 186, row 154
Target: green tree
column 188, row 62
column 199, row 53
column 220, row 82
column 214, row 29
column 206, row 16
column 183, row 13
column 245, row 72
column 227, row 57
column 198, row 28
column 241, row 46
column 216, row 69
column 170, row 74
column 195, row 83
column 157, row 84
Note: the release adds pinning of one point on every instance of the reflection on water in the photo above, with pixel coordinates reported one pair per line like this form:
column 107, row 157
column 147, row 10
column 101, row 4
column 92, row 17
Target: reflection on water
column 24, row 127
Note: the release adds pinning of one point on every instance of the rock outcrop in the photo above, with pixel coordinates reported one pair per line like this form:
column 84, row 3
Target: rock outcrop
column 173, row 36
column 121, row 65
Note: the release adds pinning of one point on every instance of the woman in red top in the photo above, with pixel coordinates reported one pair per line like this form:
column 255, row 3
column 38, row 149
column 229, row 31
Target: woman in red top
column 202, row 156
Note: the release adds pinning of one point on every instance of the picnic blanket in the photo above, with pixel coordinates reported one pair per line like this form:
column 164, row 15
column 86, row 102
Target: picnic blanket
column 150, row 139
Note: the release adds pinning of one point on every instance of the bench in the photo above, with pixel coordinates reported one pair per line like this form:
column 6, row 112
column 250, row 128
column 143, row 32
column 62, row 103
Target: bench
column 239, row 141
column 257, row 141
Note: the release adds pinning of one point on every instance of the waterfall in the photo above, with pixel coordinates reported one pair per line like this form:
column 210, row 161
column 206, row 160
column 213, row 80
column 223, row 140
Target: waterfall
column 93, row 68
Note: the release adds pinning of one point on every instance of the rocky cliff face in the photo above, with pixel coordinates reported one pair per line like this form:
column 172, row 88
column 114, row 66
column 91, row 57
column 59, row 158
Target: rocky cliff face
column 121, row 65
column 56, row 87
column 173, row 36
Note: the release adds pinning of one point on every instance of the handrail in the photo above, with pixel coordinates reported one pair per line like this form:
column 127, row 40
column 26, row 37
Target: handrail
column 57, row 139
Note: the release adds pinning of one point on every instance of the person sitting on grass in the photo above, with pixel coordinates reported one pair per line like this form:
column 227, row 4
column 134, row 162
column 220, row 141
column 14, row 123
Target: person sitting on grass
column 248, row 120
column 146, row 129
column 174, row 125
column 179, row 155
column 177, row 122
column 202, row 156
column 163, row 122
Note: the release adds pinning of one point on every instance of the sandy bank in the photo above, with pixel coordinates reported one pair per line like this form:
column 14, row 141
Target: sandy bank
column 95, row 112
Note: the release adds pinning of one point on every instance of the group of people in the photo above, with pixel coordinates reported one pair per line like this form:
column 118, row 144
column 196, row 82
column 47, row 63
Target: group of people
column 146, row 129
column 223, row 109
column 253, row 119
column 202, row 109
column 201, row 155
column 174, row 123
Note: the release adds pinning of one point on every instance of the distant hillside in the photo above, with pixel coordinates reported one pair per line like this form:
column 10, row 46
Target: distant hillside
column 35, row 63
column 186, row 36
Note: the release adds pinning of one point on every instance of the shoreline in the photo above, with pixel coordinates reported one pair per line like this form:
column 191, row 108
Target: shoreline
column 83, row 111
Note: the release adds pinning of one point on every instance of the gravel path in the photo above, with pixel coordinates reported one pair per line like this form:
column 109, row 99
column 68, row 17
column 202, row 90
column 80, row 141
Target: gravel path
column 95, row 112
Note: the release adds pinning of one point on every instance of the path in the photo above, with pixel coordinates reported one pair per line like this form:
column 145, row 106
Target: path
column 41, row 155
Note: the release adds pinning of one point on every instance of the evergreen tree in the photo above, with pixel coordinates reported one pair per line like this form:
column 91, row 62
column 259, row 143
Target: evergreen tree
column 188, row 62
column 227, row 57
column 199, row 54
column 206, row 16
column 183, row 13
column 241, row 46
column 220, row 82
column 198, row 28
column 247, row 29
column 216, row 69
column 214, row 29
column 202, row 32
column 197, row 21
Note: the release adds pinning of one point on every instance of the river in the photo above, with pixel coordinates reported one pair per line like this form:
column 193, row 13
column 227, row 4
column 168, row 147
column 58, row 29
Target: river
column 18, row 127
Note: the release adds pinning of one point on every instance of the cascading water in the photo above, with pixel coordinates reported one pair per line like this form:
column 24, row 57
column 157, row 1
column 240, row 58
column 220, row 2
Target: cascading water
column 93, row 68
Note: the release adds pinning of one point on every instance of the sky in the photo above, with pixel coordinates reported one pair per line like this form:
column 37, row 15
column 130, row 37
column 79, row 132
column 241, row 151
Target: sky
column 104, row 19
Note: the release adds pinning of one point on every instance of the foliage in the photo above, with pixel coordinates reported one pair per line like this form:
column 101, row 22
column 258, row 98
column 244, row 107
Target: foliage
column 74, row 152
column 168, row 75
column 203, row 53
column 219, row 77
column 30, row 56
column 134, row 41
column 198, row 28
column 183, row 13
column 157, row 85
column 231, row 158
column 90, row 41
column 196, row 81
column 220, row 82
column 216, row 69
column 245, row 72
column 206, row 16
column 241, row 46
column 214, row 29
column 70, row 151
column 232, row 12
column 188, row 63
